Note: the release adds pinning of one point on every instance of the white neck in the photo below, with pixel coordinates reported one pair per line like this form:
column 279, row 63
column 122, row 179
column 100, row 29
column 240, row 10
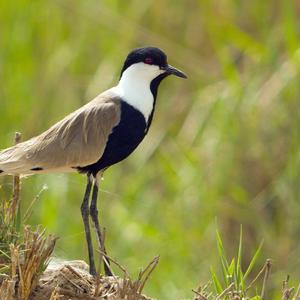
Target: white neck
column 134, row 87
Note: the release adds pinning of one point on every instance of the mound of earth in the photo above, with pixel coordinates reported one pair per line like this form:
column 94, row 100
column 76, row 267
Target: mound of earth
column 66, row 280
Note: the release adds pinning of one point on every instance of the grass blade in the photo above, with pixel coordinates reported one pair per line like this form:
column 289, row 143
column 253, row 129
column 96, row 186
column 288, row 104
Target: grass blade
column 224, row 262
column 217, row 284
column 239, row 259
column 231, row 268
column 253, row 260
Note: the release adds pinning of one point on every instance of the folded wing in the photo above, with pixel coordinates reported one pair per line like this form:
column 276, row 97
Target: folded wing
column 76, row 141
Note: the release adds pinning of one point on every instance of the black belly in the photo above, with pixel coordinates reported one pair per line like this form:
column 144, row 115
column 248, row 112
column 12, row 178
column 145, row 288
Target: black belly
column 123, row 140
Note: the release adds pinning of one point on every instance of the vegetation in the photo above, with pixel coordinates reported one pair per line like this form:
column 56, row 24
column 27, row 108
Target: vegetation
column 223, row 144
column 234, row 284
column 24, row 253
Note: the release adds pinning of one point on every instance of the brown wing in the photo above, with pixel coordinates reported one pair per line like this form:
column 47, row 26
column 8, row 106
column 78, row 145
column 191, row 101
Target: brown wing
column 77, row 140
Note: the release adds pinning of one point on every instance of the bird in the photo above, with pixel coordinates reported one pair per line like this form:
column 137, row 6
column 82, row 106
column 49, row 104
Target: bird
column 98, row 135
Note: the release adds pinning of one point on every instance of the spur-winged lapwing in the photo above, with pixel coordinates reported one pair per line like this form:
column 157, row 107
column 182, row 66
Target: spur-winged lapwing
column 97, row 135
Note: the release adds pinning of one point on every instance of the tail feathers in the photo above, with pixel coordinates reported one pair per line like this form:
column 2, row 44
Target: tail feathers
column 12, row 168
column 17, row 160
column 13, row 161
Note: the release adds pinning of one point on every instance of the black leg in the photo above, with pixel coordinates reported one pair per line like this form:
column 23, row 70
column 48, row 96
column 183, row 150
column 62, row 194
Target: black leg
column 94, row 216
column 85, row 218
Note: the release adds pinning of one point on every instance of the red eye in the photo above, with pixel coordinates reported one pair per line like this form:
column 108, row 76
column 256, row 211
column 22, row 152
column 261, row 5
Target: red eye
column 148, row 61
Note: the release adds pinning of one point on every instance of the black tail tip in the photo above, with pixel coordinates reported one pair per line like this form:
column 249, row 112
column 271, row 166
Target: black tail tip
column 37, row 169
column 1, row 171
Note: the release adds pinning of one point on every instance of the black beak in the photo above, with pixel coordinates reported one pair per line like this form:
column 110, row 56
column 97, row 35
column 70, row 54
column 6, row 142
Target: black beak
column 173, row 71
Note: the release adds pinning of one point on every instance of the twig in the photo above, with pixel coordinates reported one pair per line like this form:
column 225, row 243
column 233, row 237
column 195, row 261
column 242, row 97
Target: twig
column 148, row 270
column 98, row 281
column 113, row 261
column 286, row 291
column 257, row 276
column 72, row 282
column 199, row 294
column 201, row 291
column 297, row 296
column 16, row 187
column 105, row 257
column 266, row 276
column 228, row 289
column 76, row 273
column 31, row 205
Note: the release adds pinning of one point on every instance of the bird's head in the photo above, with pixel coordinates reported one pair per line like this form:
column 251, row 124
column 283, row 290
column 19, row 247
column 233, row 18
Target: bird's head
column 148, row 63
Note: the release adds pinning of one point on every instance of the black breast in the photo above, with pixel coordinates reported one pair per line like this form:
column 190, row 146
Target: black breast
column 123, row 140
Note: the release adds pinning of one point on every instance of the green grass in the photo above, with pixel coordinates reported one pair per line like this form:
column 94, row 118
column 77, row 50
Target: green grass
column 232, row 282
column 233, row 277
column 224, row 143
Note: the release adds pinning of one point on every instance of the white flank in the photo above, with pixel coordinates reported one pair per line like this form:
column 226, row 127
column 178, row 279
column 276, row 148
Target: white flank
column 134, row 87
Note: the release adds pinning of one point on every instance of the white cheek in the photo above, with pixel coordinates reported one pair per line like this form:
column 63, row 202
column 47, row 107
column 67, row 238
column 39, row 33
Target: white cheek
column 155, row 70
column 134, row 87
column 148, row 72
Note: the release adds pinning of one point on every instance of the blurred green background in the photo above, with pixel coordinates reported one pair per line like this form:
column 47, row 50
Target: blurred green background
column 224, row 144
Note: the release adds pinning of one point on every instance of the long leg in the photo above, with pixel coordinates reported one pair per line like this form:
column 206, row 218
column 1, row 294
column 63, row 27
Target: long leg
column 94, row 216
column 85, row 218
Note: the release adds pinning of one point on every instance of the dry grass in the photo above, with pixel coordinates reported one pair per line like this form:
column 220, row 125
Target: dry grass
column 29, row 263
column 26, row 263
column 71, row 280
column 23, row 252
column 7, row 289
column 25, row 277
column 28, row 279
column 130, row 287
